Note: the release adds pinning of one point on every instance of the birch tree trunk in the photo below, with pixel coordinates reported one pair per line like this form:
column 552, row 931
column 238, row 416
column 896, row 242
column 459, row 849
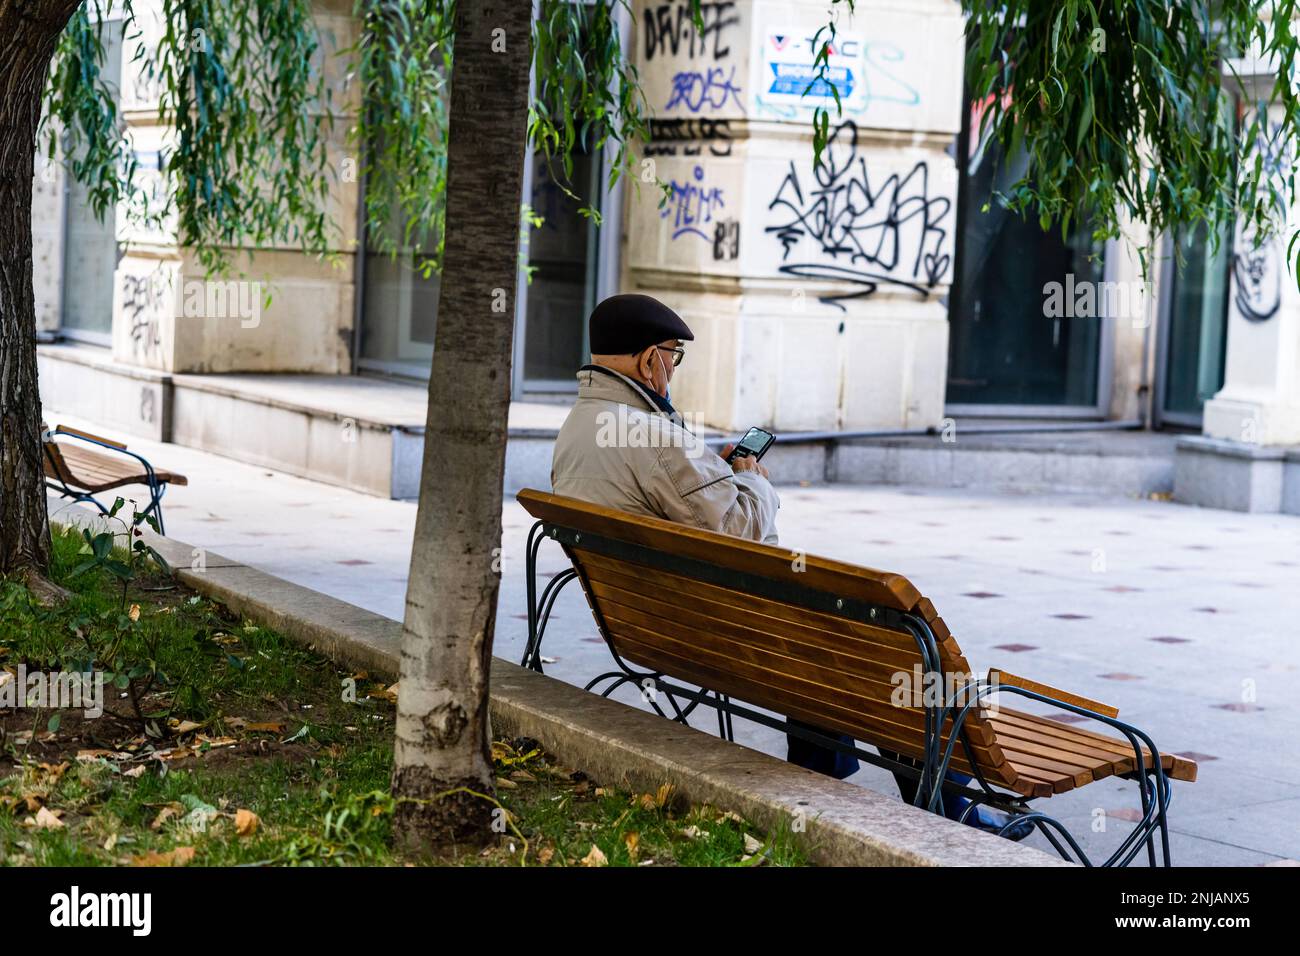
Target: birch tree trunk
column 29, row 33
column 442, row 721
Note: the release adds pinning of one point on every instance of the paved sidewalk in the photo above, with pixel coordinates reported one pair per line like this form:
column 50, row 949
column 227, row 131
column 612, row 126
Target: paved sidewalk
column 1183, row 618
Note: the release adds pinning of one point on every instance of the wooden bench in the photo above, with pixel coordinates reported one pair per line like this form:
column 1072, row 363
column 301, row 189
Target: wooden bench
column 838, row 647
column 81, row 473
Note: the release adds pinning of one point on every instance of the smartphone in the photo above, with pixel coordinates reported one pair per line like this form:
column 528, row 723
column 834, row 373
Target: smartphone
column 755, row 443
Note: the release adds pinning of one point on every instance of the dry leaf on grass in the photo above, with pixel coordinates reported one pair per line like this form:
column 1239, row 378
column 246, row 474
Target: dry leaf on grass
column 595, row 857
column 46, row 819
column 752, row 846
column 545, row 854
column 165, row 814
column 88, row 755
column 177, row 857
column 265, row 727
column 134, row 612
column 632, row 841
column 246, row 822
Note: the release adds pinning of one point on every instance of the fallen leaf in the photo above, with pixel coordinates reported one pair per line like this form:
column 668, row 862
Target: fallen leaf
column 665, row 791
column 265, row 727
column 134, row 613
column 545, row 854
column 47, row 820
column 595, row 857
column 246, row 822
column 506, row 784
column 632, row 841
column 523, row 776
column 693, row 832
column 90, row 755
column 136, row 771
column 185, row 726
column 177, row 857
column 165, row 814
column 752, row 846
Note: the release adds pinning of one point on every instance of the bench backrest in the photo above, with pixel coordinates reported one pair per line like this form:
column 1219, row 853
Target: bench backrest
column 812, row 638
column 55, row 465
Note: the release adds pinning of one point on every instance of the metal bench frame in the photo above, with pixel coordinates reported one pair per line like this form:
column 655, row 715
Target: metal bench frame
column 931, row 776
column 156, row 488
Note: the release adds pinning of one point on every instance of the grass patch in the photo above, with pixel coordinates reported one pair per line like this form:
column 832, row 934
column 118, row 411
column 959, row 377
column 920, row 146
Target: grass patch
column 222, row 743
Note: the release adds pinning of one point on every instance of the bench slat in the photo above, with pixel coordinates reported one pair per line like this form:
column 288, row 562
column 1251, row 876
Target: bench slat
column 851, row 712
column 781, row 670
column 866, row 643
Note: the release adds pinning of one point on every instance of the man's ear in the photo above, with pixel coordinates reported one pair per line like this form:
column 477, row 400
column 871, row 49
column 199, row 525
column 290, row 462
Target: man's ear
column 645, row 364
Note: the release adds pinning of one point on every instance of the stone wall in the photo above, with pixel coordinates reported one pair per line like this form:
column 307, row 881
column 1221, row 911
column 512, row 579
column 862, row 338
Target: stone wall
column 818, row 297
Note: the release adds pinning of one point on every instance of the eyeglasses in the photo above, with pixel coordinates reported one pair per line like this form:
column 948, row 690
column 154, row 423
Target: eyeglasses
column 679, row 353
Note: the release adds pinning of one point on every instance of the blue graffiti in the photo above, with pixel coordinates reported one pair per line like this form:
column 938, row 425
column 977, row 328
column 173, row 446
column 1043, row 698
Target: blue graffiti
column 692, row 205
column 695, row 90
column 878, row 54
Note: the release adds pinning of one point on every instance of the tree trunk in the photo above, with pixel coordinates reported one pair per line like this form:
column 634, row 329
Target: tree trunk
column 29, row 32
column 442, row 724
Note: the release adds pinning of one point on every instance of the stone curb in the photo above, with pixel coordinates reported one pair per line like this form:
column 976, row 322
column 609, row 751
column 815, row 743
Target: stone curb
column 837, row 823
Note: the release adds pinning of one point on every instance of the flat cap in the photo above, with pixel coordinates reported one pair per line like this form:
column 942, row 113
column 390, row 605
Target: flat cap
column 628, row 323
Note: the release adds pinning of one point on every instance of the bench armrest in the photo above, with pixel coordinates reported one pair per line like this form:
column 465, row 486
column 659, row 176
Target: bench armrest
column 1001, row 677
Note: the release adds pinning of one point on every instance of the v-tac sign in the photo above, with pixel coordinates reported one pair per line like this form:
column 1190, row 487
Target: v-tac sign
column 102, row 909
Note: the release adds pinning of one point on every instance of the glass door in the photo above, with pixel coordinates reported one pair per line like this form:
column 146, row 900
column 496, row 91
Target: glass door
column 563, row 253
column 1024, row 337
column 91, row 252
column 1193, row 327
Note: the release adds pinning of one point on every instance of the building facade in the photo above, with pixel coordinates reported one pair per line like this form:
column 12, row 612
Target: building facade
column 871, row 293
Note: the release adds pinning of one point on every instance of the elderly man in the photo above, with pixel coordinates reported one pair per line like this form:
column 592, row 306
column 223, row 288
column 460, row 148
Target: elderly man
column 625, row 446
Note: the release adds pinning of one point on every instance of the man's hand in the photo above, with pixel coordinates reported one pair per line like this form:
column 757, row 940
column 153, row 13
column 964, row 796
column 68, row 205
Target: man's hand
column 744, row 463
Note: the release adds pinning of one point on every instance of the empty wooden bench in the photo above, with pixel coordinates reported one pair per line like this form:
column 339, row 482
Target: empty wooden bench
column 82, row 473
column 848, row 649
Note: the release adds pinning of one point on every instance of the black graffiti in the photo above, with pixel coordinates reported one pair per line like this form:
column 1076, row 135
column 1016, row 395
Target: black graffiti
column 1259, row 282
column 726, row 240
column 669, row 25
column 669, row 135
column 861, row 228
column 140, row 301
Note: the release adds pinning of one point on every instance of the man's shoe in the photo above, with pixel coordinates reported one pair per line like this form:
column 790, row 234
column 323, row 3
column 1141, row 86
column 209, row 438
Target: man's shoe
column 994, row 820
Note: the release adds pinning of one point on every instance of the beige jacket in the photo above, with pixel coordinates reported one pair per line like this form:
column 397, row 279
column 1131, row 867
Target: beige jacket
column 620, row 450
